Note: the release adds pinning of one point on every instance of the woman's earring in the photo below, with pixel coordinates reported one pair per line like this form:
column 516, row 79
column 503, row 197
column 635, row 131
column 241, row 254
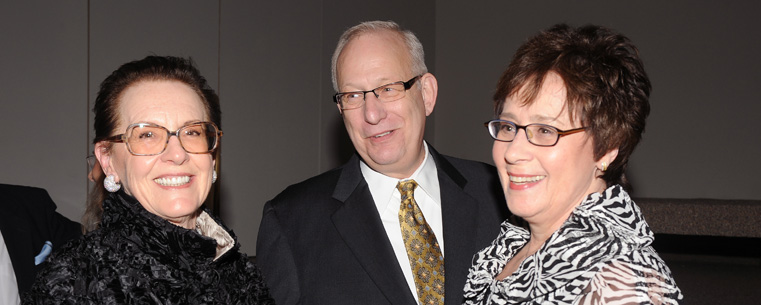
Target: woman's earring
column 111, row 184
column 604, row 166
column 214, row 176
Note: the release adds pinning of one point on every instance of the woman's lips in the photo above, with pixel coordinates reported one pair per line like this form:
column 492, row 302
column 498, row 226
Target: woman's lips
column 521, row 182
column 173, row 181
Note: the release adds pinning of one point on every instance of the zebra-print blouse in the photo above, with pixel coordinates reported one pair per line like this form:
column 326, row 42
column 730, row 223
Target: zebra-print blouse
column 600, row 255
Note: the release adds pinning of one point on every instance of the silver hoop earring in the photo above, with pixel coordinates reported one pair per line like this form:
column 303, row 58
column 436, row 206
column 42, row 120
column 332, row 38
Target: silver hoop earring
column 214, row 176
column 111, row 184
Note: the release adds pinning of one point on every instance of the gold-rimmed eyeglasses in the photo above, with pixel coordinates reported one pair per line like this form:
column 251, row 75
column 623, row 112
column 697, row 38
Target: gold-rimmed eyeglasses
column 146, row 139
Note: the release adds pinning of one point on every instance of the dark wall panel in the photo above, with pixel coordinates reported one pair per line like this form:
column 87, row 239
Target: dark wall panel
column 43, row 98
column 701, row 58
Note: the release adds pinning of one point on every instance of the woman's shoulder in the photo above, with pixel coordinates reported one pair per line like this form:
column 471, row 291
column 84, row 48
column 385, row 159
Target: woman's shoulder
column 86, row 246
column 95, row 250
column 242, row 282
column 637, row 277
column 68, row 269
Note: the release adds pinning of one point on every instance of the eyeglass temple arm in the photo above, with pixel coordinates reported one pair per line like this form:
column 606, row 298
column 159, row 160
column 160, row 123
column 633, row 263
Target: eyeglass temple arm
column 570, row 131
column 117, row 138
column 408, row 84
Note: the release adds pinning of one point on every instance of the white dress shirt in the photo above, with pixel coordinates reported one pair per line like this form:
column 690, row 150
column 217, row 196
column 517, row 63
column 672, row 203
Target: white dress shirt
column 388, row 199
column 8, row 285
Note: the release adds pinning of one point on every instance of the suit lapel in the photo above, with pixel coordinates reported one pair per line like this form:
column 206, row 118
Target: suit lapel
column 458, row 213
column 359, row 224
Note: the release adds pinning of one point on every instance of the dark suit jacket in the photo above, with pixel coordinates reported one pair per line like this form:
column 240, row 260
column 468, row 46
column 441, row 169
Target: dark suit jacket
column 321, row 241
column 28, row 219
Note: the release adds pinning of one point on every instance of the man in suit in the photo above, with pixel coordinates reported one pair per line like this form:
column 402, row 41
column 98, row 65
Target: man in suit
column 31, row 229
column 337, row 238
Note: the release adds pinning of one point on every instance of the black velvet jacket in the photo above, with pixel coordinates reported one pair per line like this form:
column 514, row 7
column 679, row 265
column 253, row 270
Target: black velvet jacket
column 137, row 257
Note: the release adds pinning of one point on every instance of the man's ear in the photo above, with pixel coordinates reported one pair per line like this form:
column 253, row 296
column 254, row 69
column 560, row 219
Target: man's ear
column 430, row 90
column 103, row 154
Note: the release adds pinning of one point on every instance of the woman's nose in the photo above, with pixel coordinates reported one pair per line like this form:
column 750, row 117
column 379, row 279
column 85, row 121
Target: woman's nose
column 174, row 151
column 518, row 149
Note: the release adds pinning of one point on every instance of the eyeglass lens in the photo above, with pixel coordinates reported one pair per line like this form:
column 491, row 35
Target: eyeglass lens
column 385, row 93
column 537, row 134
column 151, row 139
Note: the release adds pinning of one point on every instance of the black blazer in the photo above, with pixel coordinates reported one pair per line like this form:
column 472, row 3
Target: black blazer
column 28, row 219
column 321, row 241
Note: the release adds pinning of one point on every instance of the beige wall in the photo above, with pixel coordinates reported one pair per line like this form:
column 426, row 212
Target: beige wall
column 269, row 61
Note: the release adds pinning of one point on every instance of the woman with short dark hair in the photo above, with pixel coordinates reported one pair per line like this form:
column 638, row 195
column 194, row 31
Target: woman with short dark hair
column 570, row 109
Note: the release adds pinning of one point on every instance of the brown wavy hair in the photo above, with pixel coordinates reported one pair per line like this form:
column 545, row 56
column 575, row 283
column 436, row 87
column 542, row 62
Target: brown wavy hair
column 605, row 80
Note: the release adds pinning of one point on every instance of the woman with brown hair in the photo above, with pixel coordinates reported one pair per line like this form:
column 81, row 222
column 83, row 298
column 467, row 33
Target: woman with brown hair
column 156, row 130
column 570, row 109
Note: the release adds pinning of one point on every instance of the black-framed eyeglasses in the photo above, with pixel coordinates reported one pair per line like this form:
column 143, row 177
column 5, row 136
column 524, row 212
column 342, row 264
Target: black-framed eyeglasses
column 537, row 134
column 386, row 93
column 146, row 139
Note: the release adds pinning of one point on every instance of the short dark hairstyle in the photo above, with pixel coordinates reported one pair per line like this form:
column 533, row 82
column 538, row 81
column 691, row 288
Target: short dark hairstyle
column 605, row 80
column 150, row 68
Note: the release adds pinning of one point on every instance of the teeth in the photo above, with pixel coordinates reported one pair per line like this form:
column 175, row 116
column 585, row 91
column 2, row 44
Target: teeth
column 174, row 181
column 526, row 179
column 383, row 134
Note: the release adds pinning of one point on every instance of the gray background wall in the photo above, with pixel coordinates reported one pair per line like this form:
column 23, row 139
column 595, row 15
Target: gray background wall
column 270, row 62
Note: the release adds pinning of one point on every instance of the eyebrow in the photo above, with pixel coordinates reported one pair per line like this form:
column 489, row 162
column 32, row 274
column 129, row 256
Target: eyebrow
column 182, row 125
column 384, row 81
column 537, row 118
column 545, row 118
column 194, row 121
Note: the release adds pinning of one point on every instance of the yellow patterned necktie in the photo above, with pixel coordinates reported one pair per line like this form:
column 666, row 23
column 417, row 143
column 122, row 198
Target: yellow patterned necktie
column 423, row 250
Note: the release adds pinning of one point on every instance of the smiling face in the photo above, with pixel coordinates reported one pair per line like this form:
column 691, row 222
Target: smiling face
column 388, row 136
column 544, row 184
column 173, row 184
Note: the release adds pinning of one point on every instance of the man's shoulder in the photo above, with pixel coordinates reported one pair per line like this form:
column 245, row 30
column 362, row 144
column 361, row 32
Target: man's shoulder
column 27, row 207
column 470, row 169
column 478, row 179
column 468, row 164
column 14, row 194
column 308, row 191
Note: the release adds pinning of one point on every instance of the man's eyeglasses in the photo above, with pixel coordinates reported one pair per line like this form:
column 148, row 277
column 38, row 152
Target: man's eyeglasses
column 537, row 134
column 386, row 93
column 146, row 139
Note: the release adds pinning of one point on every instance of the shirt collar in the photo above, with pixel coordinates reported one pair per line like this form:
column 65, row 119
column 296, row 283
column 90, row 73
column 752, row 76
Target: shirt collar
column 382, row 187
